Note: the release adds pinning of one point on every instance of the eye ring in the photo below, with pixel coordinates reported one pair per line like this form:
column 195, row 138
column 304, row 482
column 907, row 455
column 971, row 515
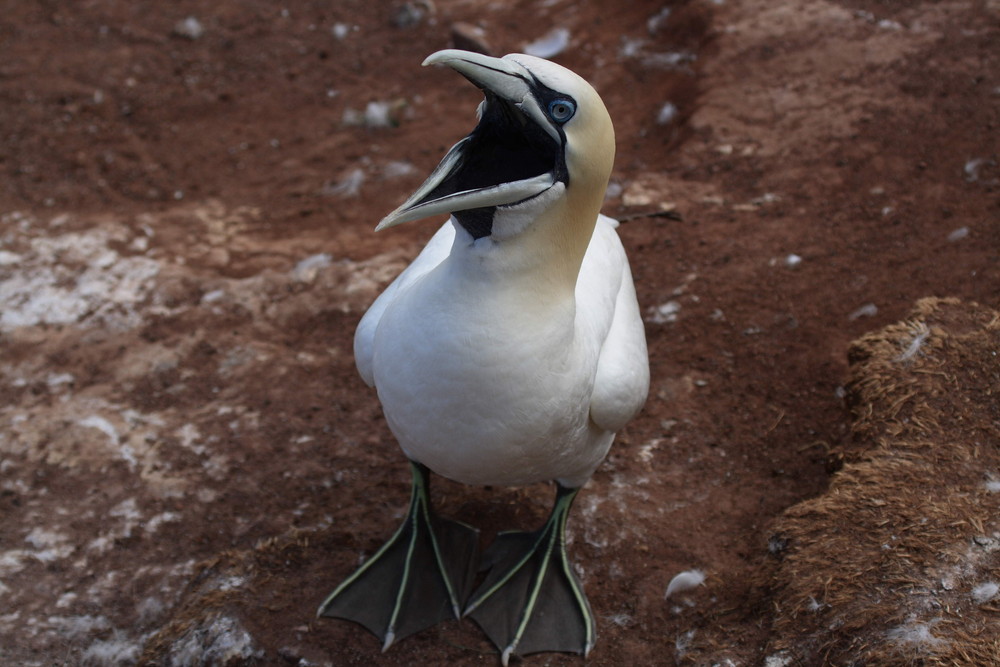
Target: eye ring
column 561, row 110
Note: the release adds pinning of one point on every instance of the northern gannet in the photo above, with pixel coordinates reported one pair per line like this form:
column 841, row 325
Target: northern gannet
column 509, row 352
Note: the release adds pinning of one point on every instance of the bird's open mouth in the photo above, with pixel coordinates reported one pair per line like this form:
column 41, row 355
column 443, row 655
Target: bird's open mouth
column 505, row 148
column 509, row 158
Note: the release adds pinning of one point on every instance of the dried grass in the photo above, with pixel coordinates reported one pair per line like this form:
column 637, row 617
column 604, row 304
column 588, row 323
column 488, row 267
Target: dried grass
column 882, row 569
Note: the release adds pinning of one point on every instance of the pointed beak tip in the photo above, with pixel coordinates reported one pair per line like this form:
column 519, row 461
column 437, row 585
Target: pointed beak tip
column 397, row 217
column 440, row 57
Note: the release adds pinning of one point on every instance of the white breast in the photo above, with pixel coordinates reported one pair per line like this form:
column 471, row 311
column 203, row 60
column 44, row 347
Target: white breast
column 489, row 385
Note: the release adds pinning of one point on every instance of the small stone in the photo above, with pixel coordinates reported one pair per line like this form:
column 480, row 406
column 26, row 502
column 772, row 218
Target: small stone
column 637, row 194
column 410, row 14
column 958, row 234
column 8, row 258
column 190, row 28
column 340, row 31
column 667, row 114
column 664, row 313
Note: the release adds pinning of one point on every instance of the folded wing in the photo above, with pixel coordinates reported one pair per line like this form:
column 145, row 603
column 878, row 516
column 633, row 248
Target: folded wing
column 606, row 299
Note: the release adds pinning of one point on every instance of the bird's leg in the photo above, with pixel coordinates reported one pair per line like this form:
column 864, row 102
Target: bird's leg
column 531, row 600
column 419, row 577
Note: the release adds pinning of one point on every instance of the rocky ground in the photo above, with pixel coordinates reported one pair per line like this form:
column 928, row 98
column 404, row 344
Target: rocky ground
column 188, row 459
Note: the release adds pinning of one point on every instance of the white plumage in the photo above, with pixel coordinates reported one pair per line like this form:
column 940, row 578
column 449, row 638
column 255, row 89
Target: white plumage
column 487, row 380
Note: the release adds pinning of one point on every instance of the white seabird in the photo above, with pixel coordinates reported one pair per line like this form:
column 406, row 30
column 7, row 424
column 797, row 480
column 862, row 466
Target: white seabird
column 509, row 352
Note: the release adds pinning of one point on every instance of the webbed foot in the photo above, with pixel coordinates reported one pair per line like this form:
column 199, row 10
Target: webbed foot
column 419, row 577
column 531, row 600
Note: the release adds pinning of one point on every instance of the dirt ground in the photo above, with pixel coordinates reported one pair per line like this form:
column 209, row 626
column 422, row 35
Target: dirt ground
column 186, row 246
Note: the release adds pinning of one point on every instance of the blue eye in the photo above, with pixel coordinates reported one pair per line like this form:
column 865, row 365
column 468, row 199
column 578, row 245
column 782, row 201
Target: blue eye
column 561, row 110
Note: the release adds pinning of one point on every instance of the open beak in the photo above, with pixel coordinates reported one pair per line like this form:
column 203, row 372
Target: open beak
column 512, row 155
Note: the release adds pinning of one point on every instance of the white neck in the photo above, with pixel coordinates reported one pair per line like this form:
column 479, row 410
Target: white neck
column 536, row 247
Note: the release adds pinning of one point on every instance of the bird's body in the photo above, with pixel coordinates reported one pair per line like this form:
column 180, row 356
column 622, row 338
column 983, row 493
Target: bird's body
column 509, row 352
column 488, row 379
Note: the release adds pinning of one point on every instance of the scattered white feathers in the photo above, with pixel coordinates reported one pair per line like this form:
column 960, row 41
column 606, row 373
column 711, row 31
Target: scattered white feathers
column 215, row 641
column 867, row 310
column 102, row 425
column 913, row 348
column 683, row 642
column 915, row 633
column 779, row 659
column 549, row 45
column 973, row 166
column 658, row 20
column 120, row 649
column 307, row 269
column 985, row 592
column 348, row 186
column 398, row 169
column 377, row 113
column 685, row 581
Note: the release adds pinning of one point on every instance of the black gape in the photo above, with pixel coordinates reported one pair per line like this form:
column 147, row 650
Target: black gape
column 477, row 221
column 506, row 146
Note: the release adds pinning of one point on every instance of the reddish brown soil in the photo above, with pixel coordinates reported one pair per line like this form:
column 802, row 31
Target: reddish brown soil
column 176, row 385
